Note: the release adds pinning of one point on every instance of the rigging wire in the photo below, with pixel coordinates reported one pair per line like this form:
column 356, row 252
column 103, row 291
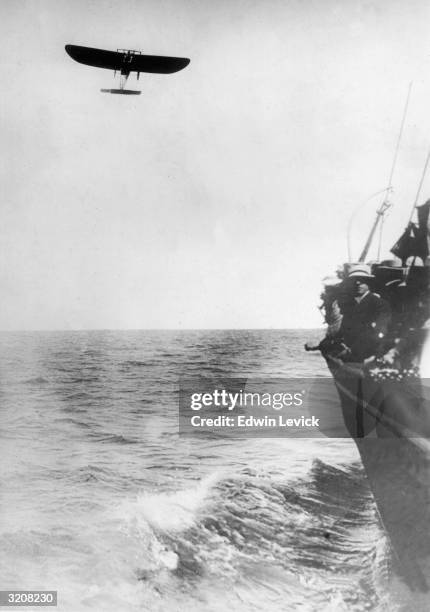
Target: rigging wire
column 385, row 205
column 399, row 138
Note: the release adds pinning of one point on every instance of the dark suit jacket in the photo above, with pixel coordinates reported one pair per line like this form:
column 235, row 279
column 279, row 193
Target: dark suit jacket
column 364, row 324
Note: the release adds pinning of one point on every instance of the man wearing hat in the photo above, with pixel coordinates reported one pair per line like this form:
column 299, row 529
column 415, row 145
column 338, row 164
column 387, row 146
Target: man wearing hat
column 365, row 318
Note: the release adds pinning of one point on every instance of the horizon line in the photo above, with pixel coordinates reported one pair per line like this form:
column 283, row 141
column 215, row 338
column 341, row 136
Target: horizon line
column 177, row 329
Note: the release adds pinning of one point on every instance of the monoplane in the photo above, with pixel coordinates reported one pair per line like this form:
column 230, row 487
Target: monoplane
column 126, row 61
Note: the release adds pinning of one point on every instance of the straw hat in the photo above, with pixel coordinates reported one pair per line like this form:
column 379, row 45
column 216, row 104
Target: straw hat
column 360, row 271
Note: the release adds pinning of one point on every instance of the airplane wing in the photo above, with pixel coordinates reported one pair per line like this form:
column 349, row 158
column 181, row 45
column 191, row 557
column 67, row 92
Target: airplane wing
column 113, row 60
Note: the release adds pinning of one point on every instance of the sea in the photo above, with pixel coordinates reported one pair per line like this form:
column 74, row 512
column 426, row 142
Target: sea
column 104, row 502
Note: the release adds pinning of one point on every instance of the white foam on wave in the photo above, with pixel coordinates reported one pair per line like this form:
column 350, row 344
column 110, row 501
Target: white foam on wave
column 175, row 511
column 150, row 516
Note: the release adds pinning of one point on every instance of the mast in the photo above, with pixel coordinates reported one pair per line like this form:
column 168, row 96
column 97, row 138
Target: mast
column 379, row 215
column 386, row 204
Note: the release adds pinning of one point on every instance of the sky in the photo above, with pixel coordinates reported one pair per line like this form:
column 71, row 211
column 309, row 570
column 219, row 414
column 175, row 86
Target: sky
column 221, row 196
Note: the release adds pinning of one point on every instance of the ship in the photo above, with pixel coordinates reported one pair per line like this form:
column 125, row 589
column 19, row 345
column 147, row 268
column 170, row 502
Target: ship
column 381, row 372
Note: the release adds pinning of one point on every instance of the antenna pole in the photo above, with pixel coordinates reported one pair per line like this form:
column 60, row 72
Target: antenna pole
column 386, row 204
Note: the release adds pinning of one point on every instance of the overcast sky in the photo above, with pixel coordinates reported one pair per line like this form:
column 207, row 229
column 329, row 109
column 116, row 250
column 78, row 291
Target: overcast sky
column 221, row 196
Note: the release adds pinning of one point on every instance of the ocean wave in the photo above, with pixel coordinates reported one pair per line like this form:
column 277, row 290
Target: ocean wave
column 280, row 534
column 36, row 380
column 237, row 527
column 114, row 438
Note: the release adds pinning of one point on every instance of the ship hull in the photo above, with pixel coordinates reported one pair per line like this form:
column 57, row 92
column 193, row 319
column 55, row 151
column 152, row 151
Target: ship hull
column 389, row 422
